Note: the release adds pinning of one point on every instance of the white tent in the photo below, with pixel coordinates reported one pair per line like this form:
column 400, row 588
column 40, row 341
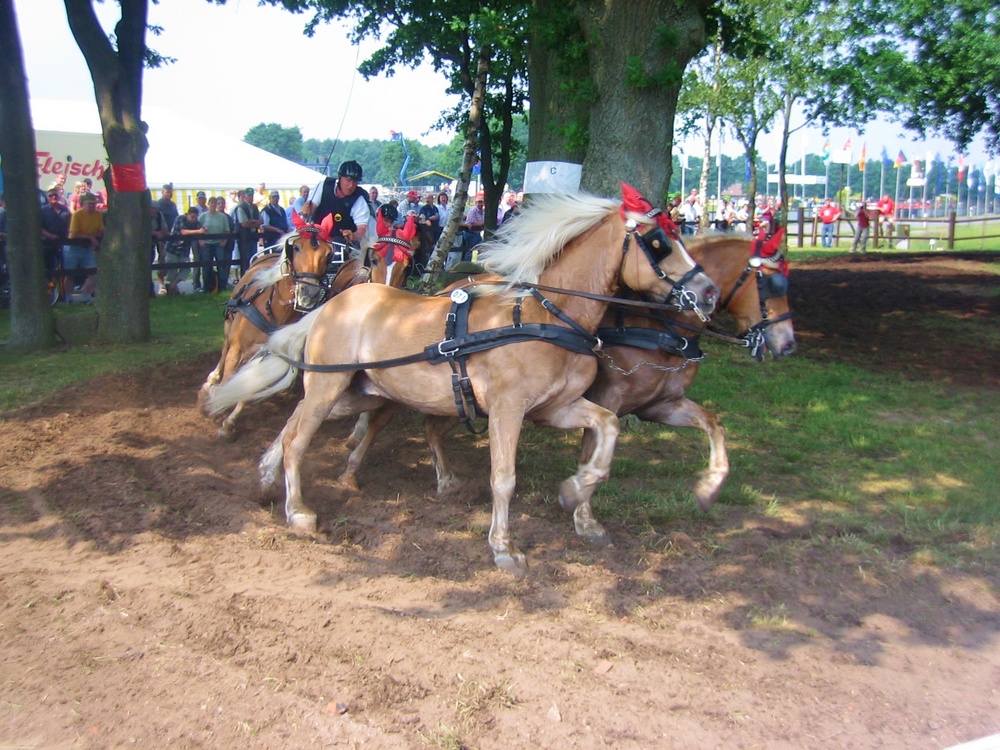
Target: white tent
column 181, row 151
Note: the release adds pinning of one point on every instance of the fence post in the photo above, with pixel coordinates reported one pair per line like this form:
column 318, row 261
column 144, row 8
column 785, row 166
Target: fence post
column 802, row 225
column 951, row 231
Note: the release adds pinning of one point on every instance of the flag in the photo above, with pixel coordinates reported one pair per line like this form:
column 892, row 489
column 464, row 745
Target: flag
column 394, row 136
column 886, row 161
column 900, row 160
column 917, row 168
column 826, row 151
column 961, row 167
column 864, row 157
column 746, row 158
column 847, row 146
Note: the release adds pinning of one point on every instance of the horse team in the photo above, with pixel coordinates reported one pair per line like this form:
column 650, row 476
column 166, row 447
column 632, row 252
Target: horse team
column 589, row 309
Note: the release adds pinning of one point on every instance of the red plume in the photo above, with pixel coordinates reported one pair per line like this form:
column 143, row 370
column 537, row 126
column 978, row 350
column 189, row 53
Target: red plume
column 772, row 247
column 409, row 230
column 297, row 221
column 326, row 228
column 635, row 202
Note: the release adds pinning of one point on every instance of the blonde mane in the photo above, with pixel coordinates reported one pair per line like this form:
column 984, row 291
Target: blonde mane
column 524, row 247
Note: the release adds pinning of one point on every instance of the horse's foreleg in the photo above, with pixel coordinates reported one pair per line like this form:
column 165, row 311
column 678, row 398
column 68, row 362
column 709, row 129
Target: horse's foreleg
column 376, row 419
column 269, row 467
column 686, row 413
column 435, row 428
column 505, row 431
column 601, row 426
column 322, row 392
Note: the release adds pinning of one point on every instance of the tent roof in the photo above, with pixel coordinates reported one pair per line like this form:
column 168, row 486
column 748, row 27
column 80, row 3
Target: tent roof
column 187, row 153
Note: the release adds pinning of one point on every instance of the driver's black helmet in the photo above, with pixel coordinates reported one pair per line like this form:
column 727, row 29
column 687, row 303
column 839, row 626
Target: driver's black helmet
column 389, row 212
column 350, row 169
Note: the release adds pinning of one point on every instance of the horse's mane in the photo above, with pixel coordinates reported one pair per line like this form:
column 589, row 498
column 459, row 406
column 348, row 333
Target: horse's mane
column 523, row 247
column 707, row 242
column 270, row 275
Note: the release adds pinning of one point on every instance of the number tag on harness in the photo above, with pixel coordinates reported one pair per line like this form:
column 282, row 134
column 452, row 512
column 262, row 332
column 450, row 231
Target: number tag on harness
column 459, row 296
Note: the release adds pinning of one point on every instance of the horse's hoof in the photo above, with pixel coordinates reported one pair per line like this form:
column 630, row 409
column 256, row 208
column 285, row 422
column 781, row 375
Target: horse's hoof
column 227, row 435
column 511, row 562
column 305, row 522
column 349, row 482
column 599, row 538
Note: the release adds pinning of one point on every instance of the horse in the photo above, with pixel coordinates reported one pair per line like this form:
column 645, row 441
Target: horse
column 305, row 268
column 392, row 253
column 356, row 349
column 649, row 360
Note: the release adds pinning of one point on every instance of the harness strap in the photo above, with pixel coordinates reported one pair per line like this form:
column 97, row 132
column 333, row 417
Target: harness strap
column 245, row 305
column 652, row 339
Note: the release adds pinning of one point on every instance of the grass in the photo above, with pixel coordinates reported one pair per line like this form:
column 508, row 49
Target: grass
column 183, row 327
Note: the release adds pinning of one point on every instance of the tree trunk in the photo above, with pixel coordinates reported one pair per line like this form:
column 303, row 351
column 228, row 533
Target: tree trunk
column 124, row 258
column 706, row 167
column 639, row 49
column 461, row 196
column 31, row 322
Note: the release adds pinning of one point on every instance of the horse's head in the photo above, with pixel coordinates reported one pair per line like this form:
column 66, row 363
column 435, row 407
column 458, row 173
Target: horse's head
column 393, row 247
column 306, row 256
column 668, row 273
column 757, row 297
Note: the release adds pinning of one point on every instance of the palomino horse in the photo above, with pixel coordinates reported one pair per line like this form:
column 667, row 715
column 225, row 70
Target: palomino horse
column 278, row 288
column 649, row 360
column 389, row 343
column 392, row 253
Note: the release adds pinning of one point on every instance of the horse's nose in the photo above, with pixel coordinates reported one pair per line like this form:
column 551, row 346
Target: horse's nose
column 788, row 349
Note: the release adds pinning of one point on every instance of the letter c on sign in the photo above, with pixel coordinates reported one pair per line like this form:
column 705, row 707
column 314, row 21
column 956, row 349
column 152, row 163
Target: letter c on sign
column 552, row 170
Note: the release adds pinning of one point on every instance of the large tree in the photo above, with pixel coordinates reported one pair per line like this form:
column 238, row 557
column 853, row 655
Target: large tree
column 116, row 67
column 31, row 317
column 278, row 140
column 604, row 78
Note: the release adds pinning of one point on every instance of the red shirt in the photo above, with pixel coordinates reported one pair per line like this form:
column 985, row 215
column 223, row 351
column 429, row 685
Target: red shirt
column 886, row 207
column 829, row 214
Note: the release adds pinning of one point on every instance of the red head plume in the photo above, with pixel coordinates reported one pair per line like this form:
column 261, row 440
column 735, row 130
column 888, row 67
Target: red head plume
column 635, row 202
column 770, row 251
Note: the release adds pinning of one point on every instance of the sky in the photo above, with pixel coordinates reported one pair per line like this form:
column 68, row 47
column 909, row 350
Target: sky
column 294, row 80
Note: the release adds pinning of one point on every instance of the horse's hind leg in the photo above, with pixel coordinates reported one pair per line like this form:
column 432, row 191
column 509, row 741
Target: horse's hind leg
column 377, row 419
column 576, row 491
column 435, row 428
column 686, row 413
column 227, row 430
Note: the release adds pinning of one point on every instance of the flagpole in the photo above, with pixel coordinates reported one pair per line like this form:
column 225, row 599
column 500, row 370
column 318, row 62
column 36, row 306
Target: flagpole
column 881, row 179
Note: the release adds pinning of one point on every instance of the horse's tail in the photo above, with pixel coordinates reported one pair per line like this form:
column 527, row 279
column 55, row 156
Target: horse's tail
column 267, row 372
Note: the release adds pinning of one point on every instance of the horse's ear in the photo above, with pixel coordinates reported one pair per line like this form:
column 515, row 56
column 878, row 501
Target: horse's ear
column 633, row 200
column 297, row 221
column 409, row 230
column 381, row 227
column 772, row 245
column 326, row 228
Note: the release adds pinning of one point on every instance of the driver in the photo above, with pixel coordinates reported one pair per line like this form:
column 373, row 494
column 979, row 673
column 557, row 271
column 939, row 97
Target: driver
column 345, row 199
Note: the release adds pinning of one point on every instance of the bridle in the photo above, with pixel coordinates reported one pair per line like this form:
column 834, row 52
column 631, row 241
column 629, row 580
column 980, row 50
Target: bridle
column 656, row 245
column 769, row 286
column 309, row 290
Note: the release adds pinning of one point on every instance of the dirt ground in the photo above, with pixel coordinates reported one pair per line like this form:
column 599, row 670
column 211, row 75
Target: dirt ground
column 150, row 599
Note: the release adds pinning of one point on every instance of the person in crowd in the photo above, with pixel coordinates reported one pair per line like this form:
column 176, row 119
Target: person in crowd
column 102, row 199
column 87, row 227
column 886, row 216
column 74, row 202
column 861, row 230
column 183, row 239
column 373, row 200
column 741, row 216
column 59, row 185
column 248, row 222
column 429, row 223
column 160, row 230
column 201, row 202
column 215, row 251
column 275, row 224
column 689, row 215
column 513, row 209
column 170, row 212
column 828, row 215
column 297, row 204
column 229, row 246
column 767, row 223
column 410, row 206
column 473, row 225
column 55, row 229
column 346, row 200
column 261, row 197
